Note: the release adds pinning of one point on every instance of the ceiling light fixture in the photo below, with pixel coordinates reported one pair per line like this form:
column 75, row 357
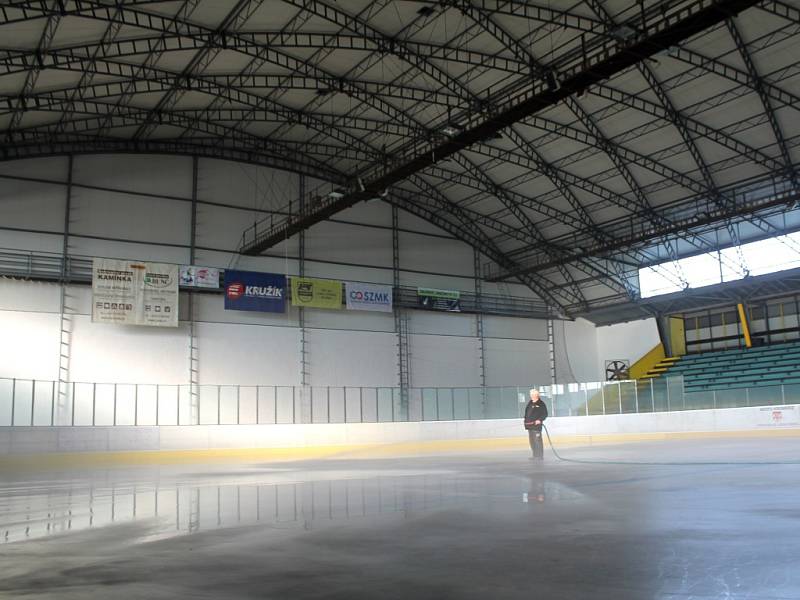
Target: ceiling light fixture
column 452, row 129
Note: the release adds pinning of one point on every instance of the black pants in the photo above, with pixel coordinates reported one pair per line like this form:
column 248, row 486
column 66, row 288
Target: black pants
column 535, row 439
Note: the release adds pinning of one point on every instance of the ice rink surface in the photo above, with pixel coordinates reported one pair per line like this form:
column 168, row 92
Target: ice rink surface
column 458, row 526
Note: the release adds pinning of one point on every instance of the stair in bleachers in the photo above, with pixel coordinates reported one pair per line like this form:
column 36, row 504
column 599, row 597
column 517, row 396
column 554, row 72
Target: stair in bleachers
column 741, row 367
column 664, row 365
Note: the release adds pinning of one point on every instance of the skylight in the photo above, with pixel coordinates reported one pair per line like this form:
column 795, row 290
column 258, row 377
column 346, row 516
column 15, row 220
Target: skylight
column 756, row 258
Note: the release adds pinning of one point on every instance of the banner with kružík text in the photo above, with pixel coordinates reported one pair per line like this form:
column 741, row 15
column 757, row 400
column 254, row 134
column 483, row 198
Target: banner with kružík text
column 249, row 290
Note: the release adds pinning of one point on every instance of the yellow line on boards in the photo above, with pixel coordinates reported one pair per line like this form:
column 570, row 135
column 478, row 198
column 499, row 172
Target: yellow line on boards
column 354, row 451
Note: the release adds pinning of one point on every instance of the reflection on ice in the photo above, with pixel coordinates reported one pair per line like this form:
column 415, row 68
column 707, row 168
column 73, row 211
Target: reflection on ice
column 185, row 506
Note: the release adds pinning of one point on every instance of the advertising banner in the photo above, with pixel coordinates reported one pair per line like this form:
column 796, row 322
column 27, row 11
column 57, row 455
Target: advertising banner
column 134, row 293
column 432, row 299
column 248, row 290
column 778, row 416
column 199, row 277
column 316, row 293
column 367, row 296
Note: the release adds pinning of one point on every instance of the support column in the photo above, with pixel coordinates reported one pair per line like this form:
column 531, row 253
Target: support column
column 305, row 370
column 401, row 326
column 194, row 359
column 745, row 325
column 66, row 311
column 551, row 346
column 479, row 327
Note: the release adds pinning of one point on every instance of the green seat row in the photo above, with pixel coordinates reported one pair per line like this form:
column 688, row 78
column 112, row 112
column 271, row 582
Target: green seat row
column 787, row 366
column 768, row 365
column 742, row 381
column 723, row 356
column 754, row 350
column 742, row 385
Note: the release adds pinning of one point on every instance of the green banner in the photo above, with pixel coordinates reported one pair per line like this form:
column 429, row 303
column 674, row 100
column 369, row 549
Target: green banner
column 433, row 293
column 316, row 293
column 432, row 299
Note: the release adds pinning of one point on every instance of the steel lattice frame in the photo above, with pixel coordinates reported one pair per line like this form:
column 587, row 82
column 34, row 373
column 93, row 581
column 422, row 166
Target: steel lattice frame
column 645, row 166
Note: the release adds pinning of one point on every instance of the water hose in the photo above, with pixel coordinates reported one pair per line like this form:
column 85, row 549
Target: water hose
column 660, row 463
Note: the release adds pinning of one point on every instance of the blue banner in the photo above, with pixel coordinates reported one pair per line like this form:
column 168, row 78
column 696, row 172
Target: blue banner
column 248, row 290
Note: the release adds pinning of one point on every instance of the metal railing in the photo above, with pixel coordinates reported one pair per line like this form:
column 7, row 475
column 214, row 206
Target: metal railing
column 35, row 403
column 47, row 266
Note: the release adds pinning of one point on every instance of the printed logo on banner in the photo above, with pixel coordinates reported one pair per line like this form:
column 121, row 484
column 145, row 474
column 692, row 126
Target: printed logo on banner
column 249, row 290
column 305, row 291
column 367, row 296
column 235, row 291
column 316, row 293
column 157, row 280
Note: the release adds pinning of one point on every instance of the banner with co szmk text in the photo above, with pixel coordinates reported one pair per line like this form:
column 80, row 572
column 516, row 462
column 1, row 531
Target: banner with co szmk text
column 316, row 293
column 249, row 290
column 134, row 293
column 367, row 296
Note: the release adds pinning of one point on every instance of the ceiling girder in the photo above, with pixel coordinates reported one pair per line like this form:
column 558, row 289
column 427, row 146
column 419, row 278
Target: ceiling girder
column 757, row 85
column 521, row 216
column 468, row 232
column 49, row 30
column 210, row 148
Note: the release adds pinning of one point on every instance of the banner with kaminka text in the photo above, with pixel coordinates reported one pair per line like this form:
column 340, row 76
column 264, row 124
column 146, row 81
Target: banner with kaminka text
column 128, row 292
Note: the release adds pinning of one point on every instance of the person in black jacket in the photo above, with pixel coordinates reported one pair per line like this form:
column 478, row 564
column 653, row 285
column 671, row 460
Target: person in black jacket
column 535, row 414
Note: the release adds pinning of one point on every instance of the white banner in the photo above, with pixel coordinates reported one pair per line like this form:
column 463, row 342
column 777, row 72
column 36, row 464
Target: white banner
column 134, row 293
column 199, row 277
column 777, row 416
column 367, row 296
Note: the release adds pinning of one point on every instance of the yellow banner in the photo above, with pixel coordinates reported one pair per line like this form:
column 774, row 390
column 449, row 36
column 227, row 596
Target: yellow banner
column 316, row 293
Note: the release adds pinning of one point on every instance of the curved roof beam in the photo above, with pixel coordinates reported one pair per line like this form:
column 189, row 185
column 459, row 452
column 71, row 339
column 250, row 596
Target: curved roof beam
column 483, row 18
column 75, row 132
column 766, row 103
column 209, row 149
column 678, row 121
column 354, row 24
column 372, row 60
column 86, row 108
column 694, row 126
column 514, row 208
column 340, row 41
column 49, row 30
column 122, row 70
column 230, row 93
column 181, row 26
column 467, row 231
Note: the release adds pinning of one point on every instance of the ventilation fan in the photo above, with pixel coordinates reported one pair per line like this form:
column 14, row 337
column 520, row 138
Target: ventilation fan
column 617, row 370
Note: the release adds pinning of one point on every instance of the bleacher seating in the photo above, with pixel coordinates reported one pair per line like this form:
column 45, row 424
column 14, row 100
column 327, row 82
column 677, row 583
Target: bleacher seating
column 743, row 367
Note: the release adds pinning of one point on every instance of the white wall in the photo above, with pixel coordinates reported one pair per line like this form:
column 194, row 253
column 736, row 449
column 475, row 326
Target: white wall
column 576, row 351
column 140, row 207
column 627, row 341
column 581, row 349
